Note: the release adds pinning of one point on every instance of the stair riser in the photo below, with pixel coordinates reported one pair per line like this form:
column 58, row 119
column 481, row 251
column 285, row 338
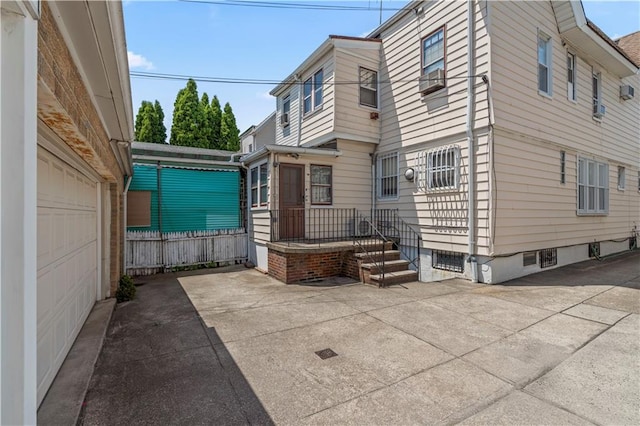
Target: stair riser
column 396, row 280
column 388, row 268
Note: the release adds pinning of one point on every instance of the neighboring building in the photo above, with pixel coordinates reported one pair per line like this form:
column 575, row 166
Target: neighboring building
column 66, row 125
column 542, row 99
column 183, row 208
column 255, row 137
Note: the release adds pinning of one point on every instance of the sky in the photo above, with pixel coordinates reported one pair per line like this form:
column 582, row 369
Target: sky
column 224, row 41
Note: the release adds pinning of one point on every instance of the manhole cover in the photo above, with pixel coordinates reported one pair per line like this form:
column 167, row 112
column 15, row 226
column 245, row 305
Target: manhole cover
column 326, row 353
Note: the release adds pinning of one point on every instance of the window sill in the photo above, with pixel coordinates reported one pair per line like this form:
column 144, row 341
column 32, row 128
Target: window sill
column 545, row 94
column 388, row 199
column 322, row 206
column 259, row 208
column 583, row 214
column 596, row 119
column 368, row 108
column 312, row 113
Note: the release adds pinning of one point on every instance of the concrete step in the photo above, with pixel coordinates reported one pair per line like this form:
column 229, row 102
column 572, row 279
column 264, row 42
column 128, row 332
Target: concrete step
column 389, row 266
column 374, row 245
column 391, row 278
column 374, row 256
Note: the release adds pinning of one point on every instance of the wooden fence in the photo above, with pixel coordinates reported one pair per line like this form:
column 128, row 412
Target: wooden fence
column 148, row 252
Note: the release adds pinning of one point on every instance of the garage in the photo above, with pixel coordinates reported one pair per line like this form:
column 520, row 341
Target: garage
column 66, row 261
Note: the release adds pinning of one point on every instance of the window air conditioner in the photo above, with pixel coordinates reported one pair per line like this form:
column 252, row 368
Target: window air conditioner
column 284, row 119
column 626, row 92
column 432, row 81
column 599, row 110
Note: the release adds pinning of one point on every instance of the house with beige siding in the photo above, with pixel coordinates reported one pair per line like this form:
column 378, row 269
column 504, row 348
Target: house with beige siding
column 66, row 126
column 257, row 136
column 485, row 140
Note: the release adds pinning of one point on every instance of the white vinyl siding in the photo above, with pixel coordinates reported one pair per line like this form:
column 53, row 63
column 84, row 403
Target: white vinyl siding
column 545, row 81
column 593, row 187
column 387, row 176
column 571, row 76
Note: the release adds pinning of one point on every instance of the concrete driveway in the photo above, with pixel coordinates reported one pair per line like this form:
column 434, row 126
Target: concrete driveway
column 560, row 347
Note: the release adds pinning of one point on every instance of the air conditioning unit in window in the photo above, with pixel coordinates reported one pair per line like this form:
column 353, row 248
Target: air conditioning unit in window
column 599, row 110
column 432, row 81
column 626, row 92
column 284, row 119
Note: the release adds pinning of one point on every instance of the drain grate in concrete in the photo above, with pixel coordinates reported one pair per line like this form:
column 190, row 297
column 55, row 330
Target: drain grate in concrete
column 326, row 353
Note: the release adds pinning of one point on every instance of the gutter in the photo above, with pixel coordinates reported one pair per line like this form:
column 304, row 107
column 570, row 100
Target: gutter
column 184, row 160
column 473, row 262
column 287, row 149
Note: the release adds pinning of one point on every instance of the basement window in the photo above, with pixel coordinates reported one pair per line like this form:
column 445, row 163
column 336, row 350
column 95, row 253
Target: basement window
column 548, row 257
column 447, row 261
column 529, row 258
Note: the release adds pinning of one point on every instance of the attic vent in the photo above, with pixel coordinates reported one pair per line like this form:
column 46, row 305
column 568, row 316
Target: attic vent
column 447, row 261
column 594, row 249
column 548, row 257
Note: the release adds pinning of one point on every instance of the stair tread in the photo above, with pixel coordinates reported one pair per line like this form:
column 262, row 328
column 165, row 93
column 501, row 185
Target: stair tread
column 387, row 262
column 407, row 273
column 374, row 253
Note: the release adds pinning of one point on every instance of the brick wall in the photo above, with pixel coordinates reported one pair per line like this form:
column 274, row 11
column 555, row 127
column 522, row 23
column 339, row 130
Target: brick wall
column 65, row 106
column 296, row 267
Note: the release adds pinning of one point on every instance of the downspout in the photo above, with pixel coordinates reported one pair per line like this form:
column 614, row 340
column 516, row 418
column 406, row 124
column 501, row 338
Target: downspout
column 124, row 223
column 297, row 78
column 473, row 262
column 374, row 156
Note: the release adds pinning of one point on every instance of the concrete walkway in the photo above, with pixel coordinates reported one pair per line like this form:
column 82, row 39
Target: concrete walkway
column 558, row 347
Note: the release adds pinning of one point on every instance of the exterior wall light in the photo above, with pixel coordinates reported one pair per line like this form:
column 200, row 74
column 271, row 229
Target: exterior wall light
column 409, row 174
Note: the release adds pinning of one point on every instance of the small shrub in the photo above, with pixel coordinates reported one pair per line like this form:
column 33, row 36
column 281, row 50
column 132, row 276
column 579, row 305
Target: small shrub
column 126, row 289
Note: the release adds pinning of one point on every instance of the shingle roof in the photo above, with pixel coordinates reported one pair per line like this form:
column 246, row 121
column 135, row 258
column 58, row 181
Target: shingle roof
column 631, row 45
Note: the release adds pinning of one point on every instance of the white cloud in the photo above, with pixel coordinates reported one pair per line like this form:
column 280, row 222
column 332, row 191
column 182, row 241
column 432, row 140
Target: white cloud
column 264, row 95
column 139, row 61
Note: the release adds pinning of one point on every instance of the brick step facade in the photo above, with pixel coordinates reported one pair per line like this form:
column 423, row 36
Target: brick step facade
column 376, row 256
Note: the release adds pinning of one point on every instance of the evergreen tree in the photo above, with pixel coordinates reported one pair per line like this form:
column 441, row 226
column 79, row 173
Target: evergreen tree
column 216, row 122
column 187, row 117
column 206, row 130
column 145, row 121
column 160, row 131
column 229, row 132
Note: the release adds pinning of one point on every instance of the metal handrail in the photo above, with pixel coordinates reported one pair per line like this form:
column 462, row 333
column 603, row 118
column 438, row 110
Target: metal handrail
column 372, row 241
column 407, row 240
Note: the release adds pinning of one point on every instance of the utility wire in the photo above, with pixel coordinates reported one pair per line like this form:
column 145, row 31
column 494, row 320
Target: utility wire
column 230, row 80
column 288, row 5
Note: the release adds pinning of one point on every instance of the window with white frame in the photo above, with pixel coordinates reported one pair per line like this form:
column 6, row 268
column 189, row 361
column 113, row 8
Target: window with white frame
column 621, row 177
column 571, row 76
column 387, row 175
column 438, row 169
column 544, row 63
column 259, row 176
column 593, row 187
column 368, row 88
column 433, row 51
column 286, row 111
column 596, row 87
column 321, row 185
column 312, row 92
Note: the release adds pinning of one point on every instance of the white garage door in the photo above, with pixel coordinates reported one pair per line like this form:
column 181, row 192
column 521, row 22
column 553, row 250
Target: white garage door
column 67, row 266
